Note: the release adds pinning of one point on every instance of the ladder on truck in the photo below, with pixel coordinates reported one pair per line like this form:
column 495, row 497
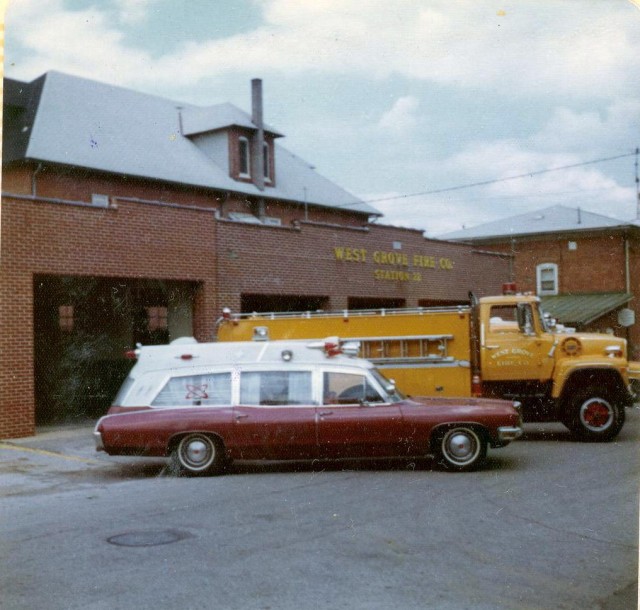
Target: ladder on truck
column 405, row 349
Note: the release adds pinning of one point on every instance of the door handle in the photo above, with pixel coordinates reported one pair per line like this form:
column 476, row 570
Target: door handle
column 323, row 413
column 491, row 346
column 239, row 417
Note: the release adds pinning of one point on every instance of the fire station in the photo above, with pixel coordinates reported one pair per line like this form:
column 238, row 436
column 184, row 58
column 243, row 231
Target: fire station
column 129, row 218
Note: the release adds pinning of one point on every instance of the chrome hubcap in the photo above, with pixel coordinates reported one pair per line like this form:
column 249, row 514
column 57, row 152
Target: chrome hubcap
column 460, row 446
column 197, row 452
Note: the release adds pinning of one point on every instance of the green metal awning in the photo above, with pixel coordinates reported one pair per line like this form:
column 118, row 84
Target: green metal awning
column 581, row 309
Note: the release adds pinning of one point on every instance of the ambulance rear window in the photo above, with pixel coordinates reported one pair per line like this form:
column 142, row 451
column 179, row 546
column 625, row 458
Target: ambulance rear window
column 195, row 390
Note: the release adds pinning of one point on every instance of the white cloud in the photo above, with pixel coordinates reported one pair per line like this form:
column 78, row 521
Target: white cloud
column 82, row 42
column 496, row 165
column 535, row 48
column 585, row 186
column 133, row 11
column 402, row 116
column 589, row 132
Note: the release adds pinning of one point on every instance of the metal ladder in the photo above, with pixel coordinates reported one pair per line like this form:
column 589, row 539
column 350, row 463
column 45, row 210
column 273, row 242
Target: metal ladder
column 405, row 349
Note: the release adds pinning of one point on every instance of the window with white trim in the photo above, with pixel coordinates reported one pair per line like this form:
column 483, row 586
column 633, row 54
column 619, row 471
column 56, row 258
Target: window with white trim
column 547, row 279
column 244, row 157
column 348, row 388
column 195, row 390
column 276, row 388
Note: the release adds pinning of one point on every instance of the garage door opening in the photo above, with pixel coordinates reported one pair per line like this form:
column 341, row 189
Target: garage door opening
column 261, row 303
column 373, row 303
column 441, row 303
column 82, row 328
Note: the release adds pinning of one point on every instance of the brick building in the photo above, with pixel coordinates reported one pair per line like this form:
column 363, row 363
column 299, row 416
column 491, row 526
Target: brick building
column 132, row 218
column 584, row 266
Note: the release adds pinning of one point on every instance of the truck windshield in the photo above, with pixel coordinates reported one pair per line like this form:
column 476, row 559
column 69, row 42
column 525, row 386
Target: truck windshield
column 393, row 395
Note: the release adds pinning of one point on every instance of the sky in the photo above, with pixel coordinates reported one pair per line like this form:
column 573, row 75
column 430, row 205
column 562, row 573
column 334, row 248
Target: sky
column 405, row 104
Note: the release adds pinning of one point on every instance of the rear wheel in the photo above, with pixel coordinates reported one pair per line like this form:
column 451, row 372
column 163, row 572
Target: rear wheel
column 461, row 448
column 198, row 454
column 594, row 415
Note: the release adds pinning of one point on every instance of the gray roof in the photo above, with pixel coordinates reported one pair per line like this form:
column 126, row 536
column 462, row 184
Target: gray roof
column 554, row 219
column 211, row 118
column 84, row 123
column 582, row 309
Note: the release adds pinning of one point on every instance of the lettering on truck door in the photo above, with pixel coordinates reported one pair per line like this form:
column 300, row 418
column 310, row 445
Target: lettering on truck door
column 513, row 347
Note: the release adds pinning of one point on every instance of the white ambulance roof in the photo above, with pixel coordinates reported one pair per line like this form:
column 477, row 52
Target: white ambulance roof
column 189, row 354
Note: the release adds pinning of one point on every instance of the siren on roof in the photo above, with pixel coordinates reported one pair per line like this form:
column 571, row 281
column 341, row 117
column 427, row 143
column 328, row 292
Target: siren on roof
column 332, row 346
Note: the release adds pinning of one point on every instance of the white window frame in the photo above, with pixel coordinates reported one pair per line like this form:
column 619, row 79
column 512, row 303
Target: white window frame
column 266, row 159
column 244, row 149
column 540, row 269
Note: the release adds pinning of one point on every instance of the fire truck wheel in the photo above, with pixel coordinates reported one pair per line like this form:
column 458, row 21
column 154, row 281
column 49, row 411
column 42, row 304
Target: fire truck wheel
column 461, row 448
column 198, row 454
column 594, row 415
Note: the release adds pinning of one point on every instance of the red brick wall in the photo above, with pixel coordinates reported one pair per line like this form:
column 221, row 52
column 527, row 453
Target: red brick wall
column 224, row 259
column 596, row 265
column 135, row 240
column 287, row 261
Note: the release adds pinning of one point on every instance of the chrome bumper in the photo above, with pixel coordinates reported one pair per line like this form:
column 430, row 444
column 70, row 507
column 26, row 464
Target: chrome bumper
column 97, row 437
column 509, row 433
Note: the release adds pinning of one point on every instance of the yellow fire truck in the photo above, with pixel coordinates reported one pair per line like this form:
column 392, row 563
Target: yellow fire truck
column 502, row 346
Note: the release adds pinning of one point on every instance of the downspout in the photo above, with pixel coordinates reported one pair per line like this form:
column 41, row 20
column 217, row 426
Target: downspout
column 33, row 180
column 627, row 266
column 627, row 279
column 512, row 258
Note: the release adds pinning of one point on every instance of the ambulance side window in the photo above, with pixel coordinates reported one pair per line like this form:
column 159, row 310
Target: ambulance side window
column 273, row 388
column 348, row 388
column 195, row 390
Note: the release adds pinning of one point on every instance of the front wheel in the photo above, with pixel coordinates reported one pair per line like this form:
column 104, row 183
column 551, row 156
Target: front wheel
column 198, row 454
column 594, row 415
column 461, row 449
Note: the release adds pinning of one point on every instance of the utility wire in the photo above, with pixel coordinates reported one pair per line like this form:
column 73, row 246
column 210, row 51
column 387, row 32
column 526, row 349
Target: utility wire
column 487, row 182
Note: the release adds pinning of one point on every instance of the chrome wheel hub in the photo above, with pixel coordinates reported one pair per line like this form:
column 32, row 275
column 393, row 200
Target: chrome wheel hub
column 197, row 452
column 460, row 446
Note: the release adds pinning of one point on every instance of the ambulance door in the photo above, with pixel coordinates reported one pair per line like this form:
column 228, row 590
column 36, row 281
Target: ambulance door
column 355, row 419
column 275, row 416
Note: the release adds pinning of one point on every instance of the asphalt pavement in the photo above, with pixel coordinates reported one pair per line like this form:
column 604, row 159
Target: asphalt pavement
column 55, row 457
column 59, row 470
